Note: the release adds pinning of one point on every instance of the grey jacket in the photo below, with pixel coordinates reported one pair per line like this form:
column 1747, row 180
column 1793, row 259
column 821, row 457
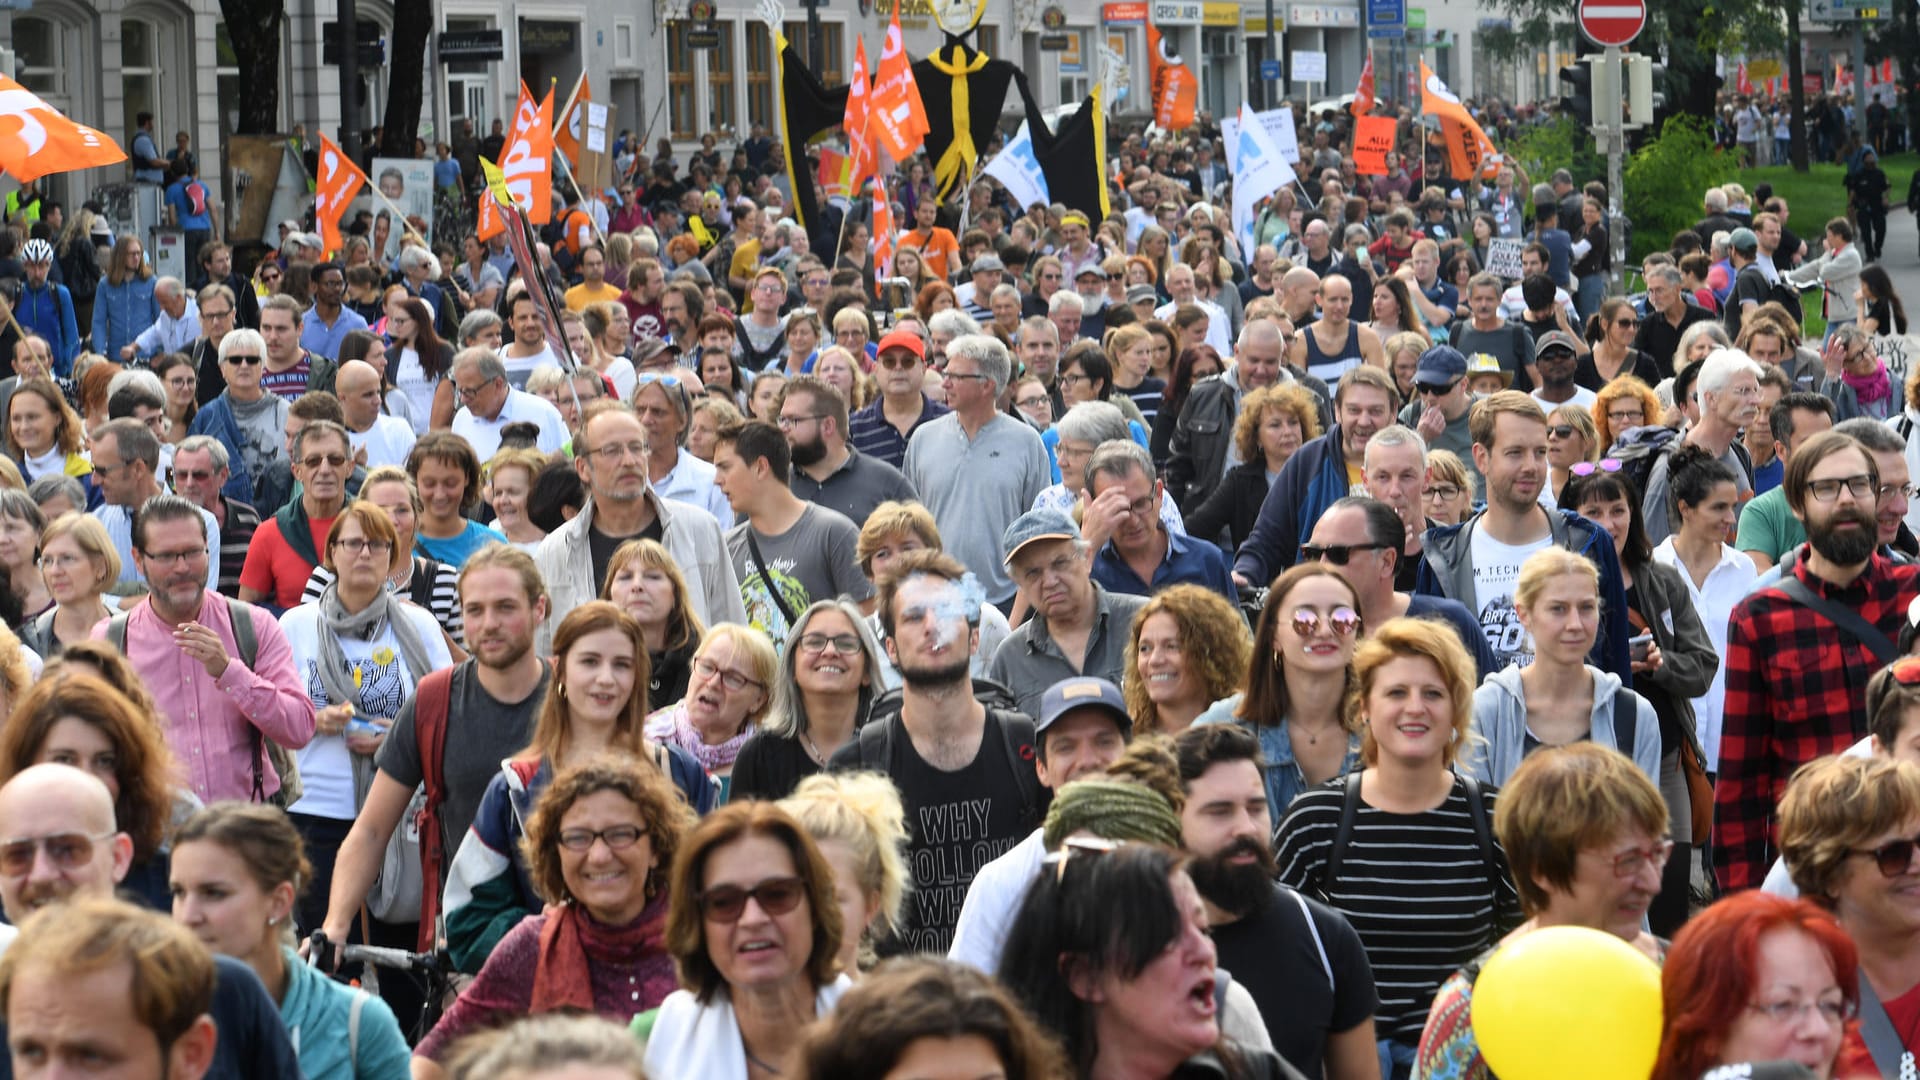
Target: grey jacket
column 1839, row 273
column 1500, row 726
column 691, row 536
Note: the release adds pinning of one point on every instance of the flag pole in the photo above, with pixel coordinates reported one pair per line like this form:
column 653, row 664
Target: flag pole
column 560, row 120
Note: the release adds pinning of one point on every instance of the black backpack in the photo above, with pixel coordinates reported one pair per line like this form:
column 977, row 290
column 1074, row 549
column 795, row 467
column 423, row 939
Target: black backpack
column 80, row 269
column 1638, row 449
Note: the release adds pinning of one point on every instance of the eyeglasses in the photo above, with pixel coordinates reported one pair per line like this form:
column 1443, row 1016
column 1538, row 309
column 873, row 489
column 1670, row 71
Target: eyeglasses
column 1627, row 323
column 468, row 393
column 205, row 314
column 1623, row 419
column 104, row 469
column 244, row 359
column 363, row 545
column 1337, row 554
column 1893, row 857
column 897, row 361
column 68, row 851
column 333, row 461
column 1033, row 401
column 1860, row 486
column 1834, row 1011
column 1560, row 431
column 1629, row 863
column 776, row 896
column 959, row 376
column 191, row 475
column 616, row 452
column 616, row 837
column 1343, row 621
column 1443, row 492
column 1074, row 377
column 732, row 680
column 788, row 423
column 1588, row 468
column 841, row 644
column 1908, row 490
column 168, row 558
column 647, row 378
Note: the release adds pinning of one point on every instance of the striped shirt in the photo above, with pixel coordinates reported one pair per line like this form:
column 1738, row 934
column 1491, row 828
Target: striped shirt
column 873, row 436
column 235, row 536
column 1415, row 886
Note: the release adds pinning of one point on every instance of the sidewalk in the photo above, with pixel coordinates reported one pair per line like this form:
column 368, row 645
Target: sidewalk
column 1900, row 255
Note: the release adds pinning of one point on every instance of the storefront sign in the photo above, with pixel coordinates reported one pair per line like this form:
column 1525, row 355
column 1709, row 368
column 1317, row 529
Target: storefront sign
column 1321, row 16
column 1123, row 14
column 1257, row 24
column 472, row 45
column 911, row 11
column 1054, row 22
column 1219, row 13
column 542, row 36
column 1177, row 12
column 1416, row 18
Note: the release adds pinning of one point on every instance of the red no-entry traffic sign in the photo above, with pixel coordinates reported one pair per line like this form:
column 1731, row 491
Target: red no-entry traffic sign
column 1612, row 22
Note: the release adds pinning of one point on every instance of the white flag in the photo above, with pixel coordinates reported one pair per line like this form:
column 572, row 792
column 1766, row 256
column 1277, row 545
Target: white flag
column 1258, row 172
column 1018, row 169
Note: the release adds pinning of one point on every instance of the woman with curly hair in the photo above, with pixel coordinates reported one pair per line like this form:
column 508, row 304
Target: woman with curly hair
column 914, row 1013
column 1619, row 407
column 76, row 718
column 1189, row 650
column 861, row 828
column 1274, row 422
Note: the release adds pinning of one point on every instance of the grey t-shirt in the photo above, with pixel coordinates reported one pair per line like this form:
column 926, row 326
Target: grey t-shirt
column 811, row 561
column 263, row 435
column 481, row 732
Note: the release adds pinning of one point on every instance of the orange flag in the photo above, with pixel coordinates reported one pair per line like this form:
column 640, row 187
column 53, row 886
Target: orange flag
column 528, row 158
column 339, row 181
column 1468, row 148
column 898, row 115
column 35, row 140
column 855, row 122
column 1363, row 94
column 883, row 230
column 566, row 138
column 1175, row 90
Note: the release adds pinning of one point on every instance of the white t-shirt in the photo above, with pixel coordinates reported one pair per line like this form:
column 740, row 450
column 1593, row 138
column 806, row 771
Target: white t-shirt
column 520, row 367
column 484, row 435
column 1513, row 306
column 1496, row 570
column 624, row 378
column 412, row 379
column 326, row 765
column 1582, row 397
column 1219, row 333
column 387, row 442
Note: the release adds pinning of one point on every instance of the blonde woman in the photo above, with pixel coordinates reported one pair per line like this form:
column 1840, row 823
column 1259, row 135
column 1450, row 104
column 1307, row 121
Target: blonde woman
column 728, row 696
column 861, row 828
column 507, row 480
column 710, row 414
column 1571, row 441
column 1450, row 488
column 78, row 562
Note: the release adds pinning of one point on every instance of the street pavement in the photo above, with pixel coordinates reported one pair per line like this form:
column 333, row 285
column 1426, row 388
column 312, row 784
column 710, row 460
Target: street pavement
column 1900, row 255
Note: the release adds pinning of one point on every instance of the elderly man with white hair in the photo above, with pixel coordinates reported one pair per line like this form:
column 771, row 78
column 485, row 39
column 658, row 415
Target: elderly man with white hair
column 976, row 468
column 175, row 330
column 1728, row 391
column 1185, row 290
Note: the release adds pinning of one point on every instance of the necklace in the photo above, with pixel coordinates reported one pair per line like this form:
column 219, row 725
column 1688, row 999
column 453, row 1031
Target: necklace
column 812, row 750
column 751, row 1060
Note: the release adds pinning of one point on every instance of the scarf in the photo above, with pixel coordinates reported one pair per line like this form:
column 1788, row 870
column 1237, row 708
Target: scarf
column 297, row 530
column 680, row 731
column 340, row 676
column 573, row 944
column 1871, row 387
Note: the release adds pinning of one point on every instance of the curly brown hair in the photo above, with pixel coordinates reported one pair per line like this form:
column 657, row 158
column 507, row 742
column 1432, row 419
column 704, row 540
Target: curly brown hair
column 1626, row 386
column 143, row 767
column 913, row 998
column 662, row 809
column 1213, row 641
column 1292, row 397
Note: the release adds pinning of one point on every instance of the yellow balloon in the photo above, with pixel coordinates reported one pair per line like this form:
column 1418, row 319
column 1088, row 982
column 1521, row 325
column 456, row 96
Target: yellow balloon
column 1568, row 1003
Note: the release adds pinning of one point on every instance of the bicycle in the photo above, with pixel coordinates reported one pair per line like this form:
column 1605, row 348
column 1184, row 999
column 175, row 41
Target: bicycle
column 434, row 970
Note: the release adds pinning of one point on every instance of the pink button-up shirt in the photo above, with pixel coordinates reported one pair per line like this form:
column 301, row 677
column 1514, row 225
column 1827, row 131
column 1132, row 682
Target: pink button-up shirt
column 206, row 719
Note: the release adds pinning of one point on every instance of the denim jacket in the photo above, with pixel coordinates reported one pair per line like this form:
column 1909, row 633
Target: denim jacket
column 1283, row 776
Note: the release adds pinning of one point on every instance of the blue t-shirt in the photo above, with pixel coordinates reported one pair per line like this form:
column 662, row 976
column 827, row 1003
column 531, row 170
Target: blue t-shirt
column 188, row 197
column 446, row 174
column 456, row 550
column 1767, row 477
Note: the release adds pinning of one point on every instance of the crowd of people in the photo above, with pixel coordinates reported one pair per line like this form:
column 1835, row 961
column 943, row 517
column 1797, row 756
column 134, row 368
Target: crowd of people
column 803, row 666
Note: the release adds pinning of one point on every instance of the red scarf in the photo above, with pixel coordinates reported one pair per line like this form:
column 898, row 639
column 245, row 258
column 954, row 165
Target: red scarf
column 572, row 943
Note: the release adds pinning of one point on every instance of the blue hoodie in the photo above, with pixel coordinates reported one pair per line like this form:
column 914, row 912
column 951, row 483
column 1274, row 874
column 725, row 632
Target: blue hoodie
column 1314, row 478
column 48, row 311
column 331, row 1045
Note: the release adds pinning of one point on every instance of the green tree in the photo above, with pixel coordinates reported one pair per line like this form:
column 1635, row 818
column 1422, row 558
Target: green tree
column 1664, row 179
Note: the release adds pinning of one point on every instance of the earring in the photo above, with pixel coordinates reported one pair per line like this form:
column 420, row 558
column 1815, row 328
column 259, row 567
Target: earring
column 273, row 920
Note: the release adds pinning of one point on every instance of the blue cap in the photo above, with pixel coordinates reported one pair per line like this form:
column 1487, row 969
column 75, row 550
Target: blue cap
column 1441, row 365
column 1083, row 692
column 1037, row 525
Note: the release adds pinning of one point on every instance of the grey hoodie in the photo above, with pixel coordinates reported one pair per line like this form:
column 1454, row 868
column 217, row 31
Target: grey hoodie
column 1500, row 725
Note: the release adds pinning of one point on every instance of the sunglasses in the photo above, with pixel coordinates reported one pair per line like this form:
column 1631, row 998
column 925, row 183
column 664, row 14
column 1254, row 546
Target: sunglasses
column 1893, row 857
column 1430, row 388
column 1337, row 554
column 776, row 896
column 1588, row 468
column 1342, row 621
column 68, row 851
column 245, row 359
column 1560, row 431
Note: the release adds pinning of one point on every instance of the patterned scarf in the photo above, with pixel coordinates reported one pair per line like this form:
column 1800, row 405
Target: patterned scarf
column 684, row 735
column 573, row 943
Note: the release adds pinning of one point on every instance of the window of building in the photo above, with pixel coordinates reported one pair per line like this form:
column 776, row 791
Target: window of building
column 722, row 111
column 760, row 90
column 682, row 113
column 140, row 69
column 36, row 45
column 833, row 43
column 987, row 39
column 468, row 81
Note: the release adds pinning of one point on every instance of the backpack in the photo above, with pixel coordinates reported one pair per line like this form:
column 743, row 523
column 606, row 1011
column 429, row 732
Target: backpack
column 432, row 701
column 876, row 754
column 244, row 637
column 80, row 270
column 1638, row 449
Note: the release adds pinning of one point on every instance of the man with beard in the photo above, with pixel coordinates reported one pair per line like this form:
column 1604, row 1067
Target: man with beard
column 1800, row 653
column 1477, row 562
column 1083, row 726
column 182, row 640
column 681, row 309
column 827, row 471
column 645, row 282
column 1892, row 538
column 1078, row 627
column 961, row 766
column 1300, row 959
column 787, row 553
column 1324, row 469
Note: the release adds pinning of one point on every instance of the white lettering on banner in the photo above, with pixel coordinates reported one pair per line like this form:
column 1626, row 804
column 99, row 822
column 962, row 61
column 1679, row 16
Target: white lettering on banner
column 21, row 105
column 518, row 165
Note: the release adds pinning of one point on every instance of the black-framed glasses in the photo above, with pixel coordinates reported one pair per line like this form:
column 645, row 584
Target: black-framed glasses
column 1588, row 468
column 245, row 359
column 841, row 644
column 1435, row 390
column 732, row 680
column 616, row 837
column 1561, row 431
column 1443, row 492
column 1343, row 621
column 314, row 461
column 168, row 558
column 788, row 423
column 1860, row 486
column 776, row 896
column 1893, row 858
column 468, row 393
column 363, row 545
column 1337, row 554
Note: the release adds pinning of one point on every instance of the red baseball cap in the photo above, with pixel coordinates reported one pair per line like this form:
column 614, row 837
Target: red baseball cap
column 903, row 339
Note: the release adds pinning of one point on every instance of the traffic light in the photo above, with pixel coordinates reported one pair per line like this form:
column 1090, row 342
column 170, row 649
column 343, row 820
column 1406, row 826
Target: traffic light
column 1576, row 92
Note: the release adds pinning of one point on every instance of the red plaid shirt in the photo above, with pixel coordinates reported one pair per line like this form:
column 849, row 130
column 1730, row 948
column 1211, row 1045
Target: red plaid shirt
column 1796, row 691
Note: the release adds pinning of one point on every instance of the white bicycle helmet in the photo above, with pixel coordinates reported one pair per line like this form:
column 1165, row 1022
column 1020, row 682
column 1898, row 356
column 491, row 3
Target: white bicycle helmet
column 37, row 251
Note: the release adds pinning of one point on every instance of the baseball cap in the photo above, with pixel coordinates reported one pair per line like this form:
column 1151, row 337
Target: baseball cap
column 1744, row 239
column 290, row 225
column 1555, row 339
column 1082, row 692
column 1440, row 366
column 649, row 347
column 1138, row 293
column 1035, row 525
column 1093, row 270
column 1486, row 364
column 902, row 339
column 987, row 262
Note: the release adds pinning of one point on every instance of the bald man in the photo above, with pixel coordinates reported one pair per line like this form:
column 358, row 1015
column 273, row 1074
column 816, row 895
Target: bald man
column 1299, row 288
column 59, row 821
column 1336, row 344
column 378, row 438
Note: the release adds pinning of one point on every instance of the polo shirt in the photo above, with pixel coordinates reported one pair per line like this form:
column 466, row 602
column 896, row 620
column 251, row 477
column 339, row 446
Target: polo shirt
column 976, row 486
column 322, row 340
column 870, row 434
column 855, row 488
column 1029, row 661
column 484, row 435
column 1187, row 562
column 1767, row 525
